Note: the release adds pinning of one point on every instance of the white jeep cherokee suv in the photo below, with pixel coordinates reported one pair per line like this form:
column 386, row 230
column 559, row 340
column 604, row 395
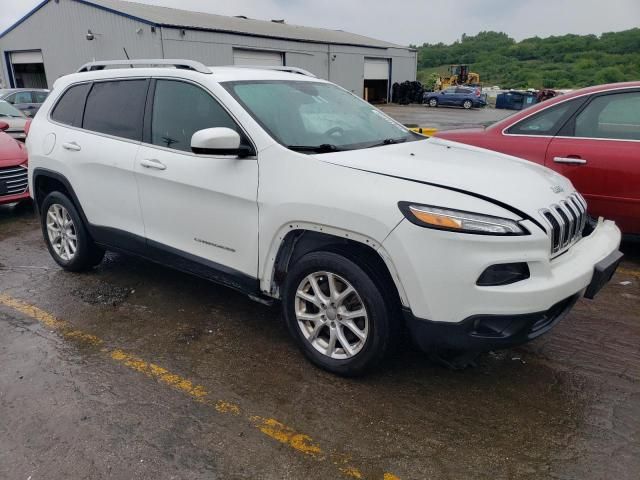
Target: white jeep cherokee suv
column 287, row 187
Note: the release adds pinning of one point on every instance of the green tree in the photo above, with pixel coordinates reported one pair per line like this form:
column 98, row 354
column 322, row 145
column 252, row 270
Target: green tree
column 562, row 61
column 609, row 75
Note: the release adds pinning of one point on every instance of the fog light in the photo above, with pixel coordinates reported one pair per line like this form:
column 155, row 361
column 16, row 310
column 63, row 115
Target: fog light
column 503, row 274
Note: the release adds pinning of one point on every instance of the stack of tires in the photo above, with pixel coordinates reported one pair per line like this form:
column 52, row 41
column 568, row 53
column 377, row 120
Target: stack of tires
column 407, row 92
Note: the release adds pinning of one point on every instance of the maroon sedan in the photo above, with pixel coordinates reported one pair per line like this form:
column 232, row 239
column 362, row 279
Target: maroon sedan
column 13, row 169
column 591, row 136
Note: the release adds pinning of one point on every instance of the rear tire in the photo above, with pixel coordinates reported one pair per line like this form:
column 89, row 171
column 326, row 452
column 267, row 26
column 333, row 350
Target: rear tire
column 66, row 236
column 467, row 104
column 320, row 320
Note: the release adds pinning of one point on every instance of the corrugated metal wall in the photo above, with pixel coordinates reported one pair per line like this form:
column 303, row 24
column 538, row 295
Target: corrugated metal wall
column 59, row 30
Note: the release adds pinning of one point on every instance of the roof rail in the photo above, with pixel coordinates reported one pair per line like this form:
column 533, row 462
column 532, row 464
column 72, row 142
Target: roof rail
column 299, row 71
column 182, row 64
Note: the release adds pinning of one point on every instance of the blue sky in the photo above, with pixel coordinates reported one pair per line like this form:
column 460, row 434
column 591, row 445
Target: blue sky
column 415, row 21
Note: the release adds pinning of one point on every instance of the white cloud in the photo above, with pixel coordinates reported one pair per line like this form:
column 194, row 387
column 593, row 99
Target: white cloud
column 416, row 21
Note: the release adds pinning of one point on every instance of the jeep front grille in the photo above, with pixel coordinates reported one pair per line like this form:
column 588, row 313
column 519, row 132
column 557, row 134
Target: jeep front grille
column 565, row 222
column 13, row 180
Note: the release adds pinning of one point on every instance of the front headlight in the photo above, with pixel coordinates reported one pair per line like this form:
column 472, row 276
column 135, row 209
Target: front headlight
column 459, row 221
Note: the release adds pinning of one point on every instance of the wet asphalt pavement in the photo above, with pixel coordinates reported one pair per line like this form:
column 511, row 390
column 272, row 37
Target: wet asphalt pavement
column 135, row 371
column 565, row 406
column 445, row 118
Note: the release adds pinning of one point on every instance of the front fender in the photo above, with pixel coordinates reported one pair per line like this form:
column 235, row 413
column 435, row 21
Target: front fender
column 279, row 243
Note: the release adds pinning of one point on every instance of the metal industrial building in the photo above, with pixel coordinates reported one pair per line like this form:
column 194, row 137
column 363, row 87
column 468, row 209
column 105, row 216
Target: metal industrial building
column 58, row 36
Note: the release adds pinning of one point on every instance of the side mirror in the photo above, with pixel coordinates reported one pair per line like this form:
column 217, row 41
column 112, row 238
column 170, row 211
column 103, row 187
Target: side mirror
column 4, row 126
column 219, row 141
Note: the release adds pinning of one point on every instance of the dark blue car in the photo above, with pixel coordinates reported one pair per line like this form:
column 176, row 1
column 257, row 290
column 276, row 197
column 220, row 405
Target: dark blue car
column 465, row 97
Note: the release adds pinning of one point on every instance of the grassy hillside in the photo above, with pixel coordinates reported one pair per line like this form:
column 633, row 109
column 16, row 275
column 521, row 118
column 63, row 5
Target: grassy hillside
column 566, row 61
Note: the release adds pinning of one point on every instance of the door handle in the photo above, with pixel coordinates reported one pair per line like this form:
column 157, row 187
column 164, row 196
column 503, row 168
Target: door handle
column 71, row 146
column 153, row 163
column 570, row 160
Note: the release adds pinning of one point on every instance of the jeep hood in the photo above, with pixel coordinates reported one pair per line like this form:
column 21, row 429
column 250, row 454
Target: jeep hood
column 518, row 183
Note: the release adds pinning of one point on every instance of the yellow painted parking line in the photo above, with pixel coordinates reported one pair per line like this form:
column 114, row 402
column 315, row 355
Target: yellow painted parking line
column 626, row 271
column 226, row 407
column 162, row 375
column 49, row 321
column 272, row 428
column 284, row 434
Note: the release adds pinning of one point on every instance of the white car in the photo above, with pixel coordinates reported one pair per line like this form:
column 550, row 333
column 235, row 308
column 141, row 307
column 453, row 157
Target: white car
column 289, row 188
column 15, row 119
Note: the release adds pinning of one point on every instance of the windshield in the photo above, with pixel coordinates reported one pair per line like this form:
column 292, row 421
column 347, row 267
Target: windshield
column 8, row 110
column 317, row 117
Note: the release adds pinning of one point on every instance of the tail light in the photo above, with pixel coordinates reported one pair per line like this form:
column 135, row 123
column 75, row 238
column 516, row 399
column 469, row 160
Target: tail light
column 27, row 126
column 478, row 92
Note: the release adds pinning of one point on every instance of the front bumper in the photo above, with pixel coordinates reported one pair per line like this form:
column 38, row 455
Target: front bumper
column 481, row 333
column 6, row 199
column 438, row 270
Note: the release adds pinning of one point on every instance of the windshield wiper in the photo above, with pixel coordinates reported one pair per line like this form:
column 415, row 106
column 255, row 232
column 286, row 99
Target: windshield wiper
column 324, row 148
column 389, row 141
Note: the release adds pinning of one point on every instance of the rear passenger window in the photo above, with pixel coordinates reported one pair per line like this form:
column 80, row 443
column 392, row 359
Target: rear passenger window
column 69, row 108
column 547, row 122
column 181, row 109
column 116, row 108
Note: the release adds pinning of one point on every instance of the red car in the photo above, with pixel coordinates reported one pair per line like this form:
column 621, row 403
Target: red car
column 13, row 169
column 591, row 136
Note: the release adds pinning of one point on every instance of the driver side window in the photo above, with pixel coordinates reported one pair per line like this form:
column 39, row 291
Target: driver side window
column 615, row 116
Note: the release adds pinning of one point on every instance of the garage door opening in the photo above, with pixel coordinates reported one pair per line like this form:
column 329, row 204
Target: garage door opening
column 27, row 70
column 376, row 80
column 260, row 58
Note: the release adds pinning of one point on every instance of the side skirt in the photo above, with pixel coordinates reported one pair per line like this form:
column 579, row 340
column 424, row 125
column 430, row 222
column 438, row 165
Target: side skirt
column 127, row 243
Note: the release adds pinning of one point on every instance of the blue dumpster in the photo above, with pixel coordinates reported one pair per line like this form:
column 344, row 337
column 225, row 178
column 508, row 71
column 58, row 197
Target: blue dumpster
column 515, row 100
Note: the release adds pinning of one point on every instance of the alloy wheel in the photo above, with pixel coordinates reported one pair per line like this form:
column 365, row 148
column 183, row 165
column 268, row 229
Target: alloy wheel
column 331, row 315
column 62, row 232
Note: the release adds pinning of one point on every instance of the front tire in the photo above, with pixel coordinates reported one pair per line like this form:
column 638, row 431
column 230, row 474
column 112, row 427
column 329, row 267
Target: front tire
column 433, row 102
column 66, row 236
column 339, row 315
